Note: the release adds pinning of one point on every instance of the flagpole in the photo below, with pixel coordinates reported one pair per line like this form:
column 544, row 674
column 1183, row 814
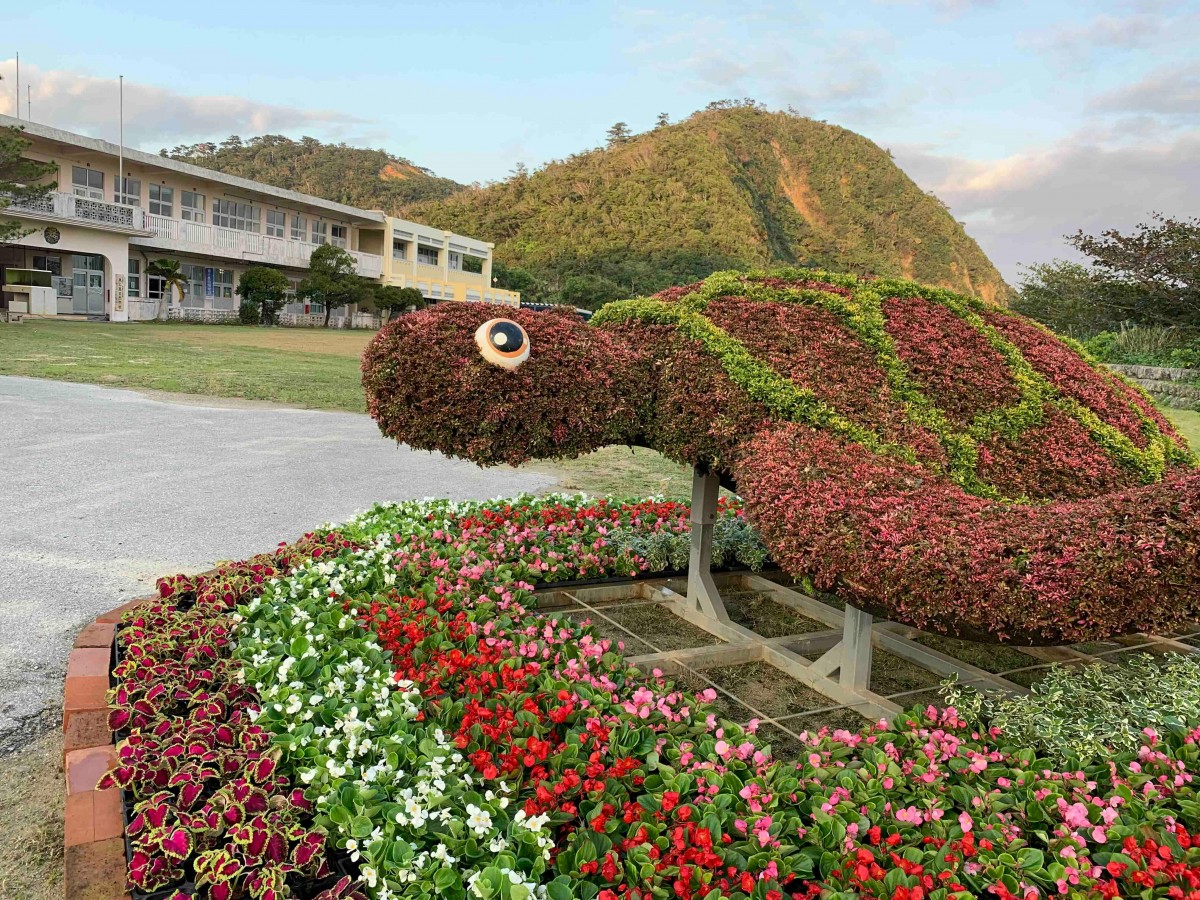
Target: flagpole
column 121, row 139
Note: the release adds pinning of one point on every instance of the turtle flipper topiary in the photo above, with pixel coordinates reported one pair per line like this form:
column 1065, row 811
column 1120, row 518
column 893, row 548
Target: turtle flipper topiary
column 939, row 461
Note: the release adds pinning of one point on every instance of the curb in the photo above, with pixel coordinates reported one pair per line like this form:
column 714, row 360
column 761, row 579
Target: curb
column 94, row 831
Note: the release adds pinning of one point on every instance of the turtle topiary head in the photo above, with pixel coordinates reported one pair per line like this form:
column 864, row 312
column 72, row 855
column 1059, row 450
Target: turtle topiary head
column 498, row 386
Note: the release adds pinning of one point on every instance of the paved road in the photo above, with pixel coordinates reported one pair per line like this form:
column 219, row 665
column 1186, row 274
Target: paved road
column 103, row 490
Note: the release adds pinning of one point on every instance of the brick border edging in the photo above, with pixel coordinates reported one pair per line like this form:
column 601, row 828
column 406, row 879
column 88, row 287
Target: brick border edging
column 93, row 828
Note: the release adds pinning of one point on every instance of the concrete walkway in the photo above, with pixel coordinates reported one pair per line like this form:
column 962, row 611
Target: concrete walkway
column 103, row 490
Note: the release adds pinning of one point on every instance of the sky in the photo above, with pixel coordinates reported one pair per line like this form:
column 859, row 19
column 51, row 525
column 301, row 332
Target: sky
column 1029, row 118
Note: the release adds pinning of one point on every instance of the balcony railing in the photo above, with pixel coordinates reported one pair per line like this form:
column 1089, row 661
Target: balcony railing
column 175, row 234
column 80, row 209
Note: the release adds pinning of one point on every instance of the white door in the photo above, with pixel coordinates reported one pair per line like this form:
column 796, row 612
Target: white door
column 87, row 274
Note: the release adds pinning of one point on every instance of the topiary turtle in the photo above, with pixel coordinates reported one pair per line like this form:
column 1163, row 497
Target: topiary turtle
column 939, row 461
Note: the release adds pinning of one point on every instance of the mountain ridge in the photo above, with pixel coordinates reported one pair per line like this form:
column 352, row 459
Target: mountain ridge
column 731, row 186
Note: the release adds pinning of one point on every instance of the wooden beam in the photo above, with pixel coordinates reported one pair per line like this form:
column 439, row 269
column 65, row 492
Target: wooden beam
column 1157, row 643
column 672, row 662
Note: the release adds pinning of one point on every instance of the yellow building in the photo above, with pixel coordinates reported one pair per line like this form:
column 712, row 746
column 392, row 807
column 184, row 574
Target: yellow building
column 93, row 238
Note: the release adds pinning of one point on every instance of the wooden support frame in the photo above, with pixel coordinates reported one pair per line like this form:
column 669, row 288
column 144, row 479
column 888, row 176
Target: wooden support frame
column 835, row 661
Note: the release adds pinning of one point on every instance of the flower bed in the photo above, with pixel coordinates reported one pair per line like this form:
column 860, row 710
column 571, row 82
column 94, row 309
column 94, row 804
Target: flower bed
column 454, row 741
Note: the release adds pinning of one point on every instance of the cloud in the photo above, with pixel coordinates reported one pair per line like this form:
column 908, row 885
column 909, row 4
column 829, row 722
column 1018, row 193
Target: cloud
column 154, row 117
column 1019, row 208
column 1170, row 91
column 1145, row 25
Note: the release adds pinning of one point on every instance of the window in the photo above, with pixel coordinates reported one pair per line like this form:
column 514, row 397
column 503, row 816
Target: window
column 133, row 286
column 338, row 235
column 162, row 201
column 87, row 183
column 455, row 261
column 155, row 287
column 427, row 255
column 191, row 207
column 194, row 295
column 223, row 289
column 51, row 264
column 276, row 222
column 232, row 214
column 131, row 192
column 320, row 232
column 299, row 228
column 399, row 250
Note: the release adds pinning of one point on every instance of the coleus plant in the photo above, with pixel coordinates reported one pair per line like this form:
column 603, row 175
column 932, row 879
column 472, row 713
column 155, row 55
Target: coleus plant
column 204, row 778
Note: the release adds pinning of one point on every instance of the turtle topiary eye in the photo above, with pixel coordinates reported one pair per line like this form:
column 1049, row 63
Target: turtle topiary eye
column 502, row 342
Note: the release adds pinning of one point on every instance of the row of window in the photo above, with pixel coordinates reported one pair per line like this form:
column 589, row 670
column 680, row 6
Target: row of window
column 195, row 293
column 426, row 255
column 89, row 183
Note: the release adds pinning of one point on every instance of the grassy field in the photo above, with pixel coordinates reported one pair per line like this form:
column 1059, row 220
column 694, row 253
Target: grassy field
column 310, row 368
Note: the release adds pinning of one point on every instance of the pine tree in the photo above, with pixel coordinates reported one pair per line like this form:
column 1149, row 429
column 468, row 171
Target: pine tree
column 619, row 134
column 21, row 180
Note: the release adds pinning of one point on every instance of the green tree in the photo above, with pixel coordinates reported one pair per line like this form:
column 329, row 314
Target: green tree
column 21, row 180
column 590, row 291
column 618, row 134
column 1074, row 299
column 515, row 278
column 172, row 279
column 1161, row 258
column 390, row 298
column 266, row 289
column 663, row 120
column 333, row 280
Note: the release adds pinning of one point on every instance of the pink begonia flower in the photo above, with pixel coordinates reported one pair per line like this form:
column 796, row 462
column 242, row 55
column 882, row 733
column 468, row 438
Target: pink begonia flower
column 964, row 822
column 1074, row 814
column 1099, row 835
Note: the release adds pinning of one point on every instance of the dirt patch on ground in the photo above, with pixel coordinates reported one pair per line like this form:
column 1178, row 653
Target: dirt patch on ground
column 31, row 821
column 758, row 612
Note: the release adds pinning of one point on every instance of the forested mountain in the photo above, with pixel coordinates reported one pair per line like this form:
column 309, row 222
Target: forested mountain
column 733, row 185
column 369, row 179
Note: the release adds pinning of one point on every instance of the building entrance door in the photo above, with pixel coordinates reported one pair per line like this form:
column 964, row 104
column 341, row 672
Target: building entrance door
column 87, row 291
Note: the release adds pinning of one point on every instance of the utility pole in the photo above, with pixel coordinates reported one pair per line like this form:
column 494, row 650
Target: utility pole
column 28, row 102
column 18, row 85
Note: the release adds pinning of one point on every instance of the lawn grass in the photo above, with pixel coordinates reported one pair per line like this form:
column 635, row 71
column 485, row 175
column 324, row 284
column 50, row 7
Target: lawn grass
column 309, row 368
column 1187, row 421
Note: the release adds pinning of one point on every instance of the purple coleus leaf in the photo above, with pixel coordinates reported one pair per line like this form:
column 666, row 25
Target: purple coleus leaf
column 298, row 800
column 189, row 794
column 261, row 770
column 308, row 849
column 276, row 848
column 177, row 844
column 118, row 719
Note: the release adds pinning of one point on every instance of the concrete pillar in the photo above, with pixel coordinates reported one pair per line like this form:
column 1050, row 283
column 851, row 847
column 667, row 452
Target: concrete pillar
column 487, row 267
column 444, row 256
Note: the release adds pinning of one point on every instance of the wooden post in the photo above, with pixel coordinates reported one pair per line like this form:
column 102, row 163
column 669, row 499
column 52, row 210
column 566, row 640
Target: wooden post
column 702, row 590
column 855, row 670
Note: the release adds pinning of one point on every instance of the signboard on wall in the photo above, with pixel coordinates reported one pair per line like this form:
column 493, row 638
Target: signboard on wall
column 209, row 285
column 119, row 295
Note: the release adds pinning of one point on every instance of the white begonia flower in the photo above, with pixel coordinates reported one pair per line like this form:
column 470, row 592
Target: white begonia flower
column 479, row 820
